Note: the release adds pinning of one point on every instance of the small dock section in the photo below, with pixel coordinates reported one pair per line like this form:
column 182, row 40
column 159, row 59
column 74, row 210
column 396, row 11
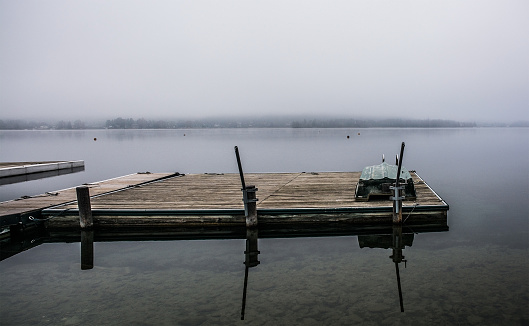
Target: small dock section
column 14, row 172
column 9, row 169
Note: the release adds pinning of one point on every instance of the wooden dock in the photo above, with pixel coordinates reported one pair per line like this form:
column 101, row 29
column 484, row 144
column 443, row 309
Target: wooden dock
column 9, row 169
column 19, row 210
column 14, row 172
column 216, row 200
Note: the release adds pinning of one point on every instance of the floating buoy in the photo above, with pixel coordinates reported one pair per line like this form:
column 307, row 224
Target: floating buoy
column 347, row 136
column 358, row 134
column 95, row 139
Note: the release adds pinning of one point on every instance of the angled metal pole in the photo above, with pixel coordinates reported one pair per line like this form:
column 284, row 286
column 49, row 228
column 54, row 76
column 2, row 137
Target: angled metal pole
column 240, row 167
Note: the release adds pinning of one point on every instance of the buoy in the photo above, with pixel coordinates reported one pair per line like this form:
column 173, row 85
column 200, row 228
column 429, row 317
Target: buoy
column 347, row 136
column 358, row 134
column 95, row 139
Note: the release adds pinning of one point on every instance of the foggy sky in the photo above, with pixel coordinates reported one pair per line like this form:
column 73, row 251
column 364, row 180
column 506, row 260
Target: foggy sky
column 461, row 60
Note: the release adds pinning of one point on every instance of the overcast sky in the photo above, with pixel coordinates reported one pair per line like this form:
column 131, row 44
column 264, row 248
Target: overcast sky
column 462, row 60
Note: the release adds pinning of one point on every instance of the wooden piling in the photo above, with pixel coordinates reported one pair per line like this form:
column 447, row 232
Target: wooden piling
column 85, row 209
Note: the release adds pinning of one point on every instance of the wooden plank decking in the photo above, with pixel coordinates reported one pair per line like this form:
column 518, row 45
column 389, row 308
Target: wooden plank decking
column 276, row 191
column 37, row 203
column 203, row 199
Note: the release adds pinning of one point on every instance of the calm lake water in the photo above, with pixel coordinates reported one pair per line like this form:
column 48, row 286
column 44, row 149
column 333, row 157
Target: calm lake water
column 477, row 273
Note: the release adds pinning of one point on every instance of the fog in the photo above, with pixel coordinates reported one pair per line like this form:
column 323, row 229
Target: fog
column 461, row 60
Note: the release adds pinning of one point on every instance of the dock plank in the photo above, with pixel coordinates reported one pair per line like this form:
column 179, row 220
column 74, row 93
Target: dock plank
column 39, row 202
column 275, row 191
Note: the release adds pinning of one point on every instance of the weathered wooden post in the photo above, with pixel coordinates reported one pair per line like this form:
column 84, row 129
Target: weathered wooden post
column 248, row 196
column 85, row 210
column 87, row 249
column 397, row 188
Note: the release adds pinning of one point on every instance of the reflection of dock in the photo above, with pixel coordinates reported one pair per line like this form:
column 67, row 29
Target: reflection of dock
column 215, row 200
column 395, row 238
column 12, row 172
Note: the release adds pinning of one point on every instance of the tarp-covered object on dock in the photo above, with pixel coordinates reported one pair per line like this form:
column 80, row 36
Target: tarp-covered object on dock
column 376, row 180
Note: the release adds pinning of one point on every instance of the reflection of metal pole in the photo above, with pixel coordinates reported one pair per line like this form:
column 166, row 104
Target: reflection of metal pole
column 87, row 250
column 244, row 291
column 400, row 289
column 251, row 255
column 397, row 257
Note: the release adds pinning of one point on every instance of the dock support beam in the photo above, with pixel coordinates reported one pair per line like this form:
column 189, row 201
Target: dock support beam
column 85, row 209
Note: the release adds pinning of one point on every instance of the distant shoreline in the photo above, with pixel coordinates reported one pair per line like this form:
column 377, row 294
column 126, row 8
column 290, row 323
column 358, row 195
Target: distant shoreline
column 219, row 123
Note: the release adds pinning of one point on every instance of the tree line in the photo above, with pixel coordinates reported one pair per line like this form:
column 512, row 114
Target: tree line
column 129, row 123
column 384, row 123
column 40, row 125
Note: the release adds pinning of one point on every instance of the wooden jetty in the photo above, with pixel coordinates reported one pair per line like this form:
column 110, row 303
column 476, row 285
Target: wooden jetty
column 211, row 199
column 22, row 209
column 216, row 200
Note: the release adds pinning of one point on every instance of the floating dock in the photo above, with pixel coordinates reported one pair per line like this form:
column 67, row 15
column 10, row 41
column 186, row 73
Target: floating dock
column 13, row 172
column 178, row 200
column 205, row 200
column 23, row 210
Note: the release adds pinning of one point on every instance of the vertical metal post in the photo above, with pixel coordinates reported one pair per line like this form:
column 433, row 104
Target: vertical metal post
column 248, row 196
column 250, row 206
column 397, row 196
column 85, row 210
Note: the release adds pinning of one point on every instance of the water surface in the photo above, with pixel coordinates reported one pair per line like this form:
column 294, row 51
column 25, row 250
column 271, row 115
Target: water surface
column 475, row 273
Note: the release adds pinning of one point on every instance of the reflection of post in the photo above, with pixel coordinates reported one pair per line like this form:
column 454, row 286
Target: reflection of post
column 397, row 258
column 251, row 255
column 87, row 249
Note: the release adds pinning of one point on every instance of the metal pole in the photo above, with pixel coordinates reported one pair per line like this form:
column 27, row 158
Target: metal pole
column 397, row 191
column 248, row 196
column 401, row 156
column 240, row 167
